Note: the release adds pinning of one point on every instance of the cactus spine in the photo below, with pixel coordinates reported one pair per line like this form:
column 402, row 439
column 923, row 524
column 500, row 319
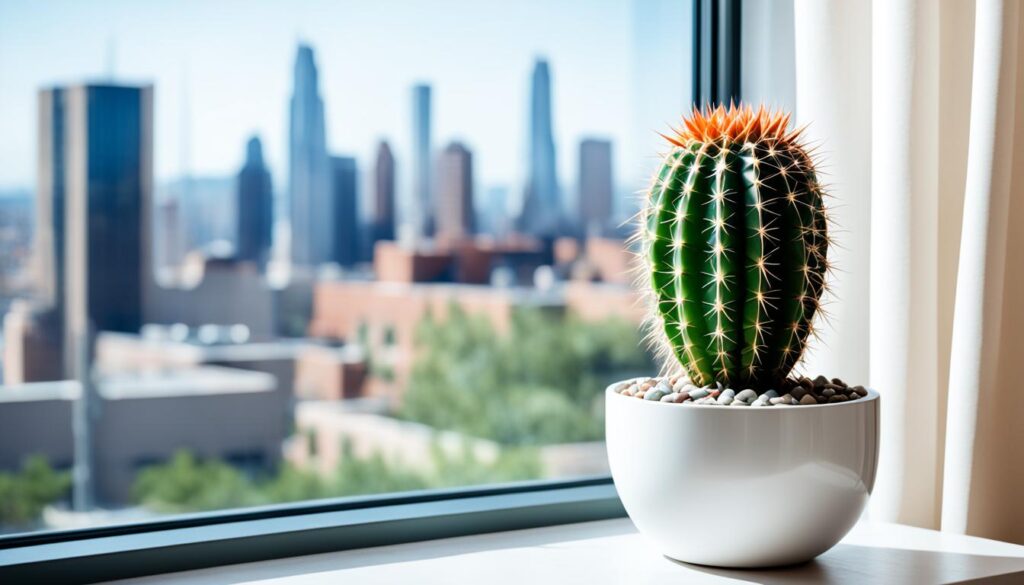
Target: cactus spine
column 734, row 233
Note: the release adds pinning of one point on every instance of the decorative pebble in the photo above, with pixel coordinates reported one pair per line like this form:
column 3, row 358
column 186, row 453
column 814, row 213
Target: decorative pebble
column 680, row 385
column 808, row 399
column 682, row 396
column 838, row 382
column 654, row 394
column 697, row 393
column 828, row 392
column 726, row 397
column 738, row 403
column 784, row 399
column 670, row 398
column 838, row 398
column 771, row 394
column 747, row 395
column 798, row 392
column 820, row 381
column 860, row 390
column 620, row 387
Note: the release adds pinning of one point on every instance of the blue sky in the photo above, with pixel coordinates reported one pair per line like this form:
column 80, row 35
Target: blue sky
column 233, row 61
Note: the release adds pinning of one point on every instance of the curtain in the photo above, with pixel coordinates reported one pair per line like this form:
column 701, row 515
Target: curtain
column 918, row 107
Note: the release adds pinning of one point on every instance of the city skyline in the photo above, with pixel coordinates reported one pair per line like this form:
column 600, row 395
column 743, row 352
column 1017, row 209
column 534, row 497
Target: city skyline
column 484, row 107
column 324, row 193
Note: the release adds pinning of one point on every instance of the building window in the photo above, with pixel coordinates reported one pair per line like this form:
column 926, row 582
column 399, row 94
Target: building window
column 389, row 338
column 311, row 443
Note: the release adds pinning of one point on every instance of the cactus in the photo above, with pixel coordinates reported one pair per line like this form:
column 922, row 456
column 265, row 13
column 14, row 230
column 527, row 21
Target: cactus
column 734, row 235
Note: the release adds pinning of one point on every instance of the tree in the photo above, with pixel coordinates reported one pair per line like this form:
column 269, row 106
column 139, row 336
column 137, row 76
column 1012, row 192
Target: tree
column 24, row 494
column 187, row 484
column 540, row 383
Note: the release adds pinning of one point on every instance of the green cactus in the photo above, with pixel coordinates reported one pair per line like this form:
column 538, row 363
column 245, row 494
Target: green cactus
column 734, row 233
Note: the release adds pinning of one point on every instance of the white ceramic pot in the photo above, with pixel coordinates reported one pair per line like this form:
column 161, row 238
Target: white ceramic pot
column 742, row 486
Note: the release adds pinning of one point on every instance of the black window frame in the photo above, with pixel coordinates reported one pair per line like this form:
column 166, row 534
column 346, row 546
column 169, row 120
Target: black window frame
column 224, row 537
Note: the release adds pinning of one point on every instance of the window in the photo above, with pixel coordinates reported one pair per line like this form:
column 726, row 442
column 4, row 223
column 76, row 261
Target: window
column 389, row 336
column 219, row 211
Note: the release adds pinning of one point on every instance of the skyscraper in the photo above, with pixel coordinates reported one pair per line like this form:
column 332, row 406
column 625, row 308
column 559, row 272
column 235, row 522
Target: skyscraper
column 108, row 138
column 308, row 180
column 542, row 212
column 34, row 333
column 346, row 210
column 383, row 222
column 595, row 184
column 417, row 221
column 255, row 207
column 168, row 235
column 96, row 167
column 454, row 193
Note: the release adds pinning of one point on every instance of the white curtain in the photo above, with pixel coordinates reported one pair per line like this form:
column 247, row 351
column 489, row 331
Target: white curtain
column 918, row 106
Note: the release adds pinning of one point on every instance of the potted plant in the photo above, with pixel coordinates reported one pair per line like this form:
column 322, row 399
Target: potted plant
column 725, row 459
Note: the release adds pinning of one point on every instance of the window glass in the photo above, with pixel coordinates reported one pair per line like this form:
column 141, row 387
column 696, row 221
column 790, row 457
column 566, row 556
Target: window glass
column 256, row 252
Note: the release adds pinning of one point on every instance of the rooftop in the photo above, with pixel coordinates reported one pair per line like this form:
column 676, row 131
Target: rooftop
column 178, row 382
column 525, row 295
column 193, row 350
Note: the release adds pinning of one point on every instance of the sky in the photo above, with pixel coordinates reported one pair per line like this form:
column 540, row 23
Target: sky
column 222, row 72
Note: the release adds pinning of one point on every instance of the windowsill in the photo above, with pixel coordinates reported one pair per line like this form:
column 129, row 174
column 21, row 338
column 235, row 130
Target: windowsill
column 611, row 551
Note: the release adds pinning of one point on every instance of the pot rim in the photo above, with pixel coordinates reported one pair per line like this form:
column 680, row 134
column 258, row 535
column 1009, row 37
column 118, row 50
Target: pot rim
column 610, row 391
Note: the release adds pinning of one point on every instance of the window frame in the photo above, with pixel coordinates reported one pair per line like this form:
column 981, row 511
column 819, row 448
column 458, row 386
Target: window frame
column 226, row 537
column 195, row 541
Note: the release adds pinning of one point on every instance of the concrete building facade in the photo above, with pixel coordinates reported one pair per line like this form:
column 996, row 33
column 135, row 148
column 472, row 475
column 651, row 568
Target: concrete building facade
column 144, row 418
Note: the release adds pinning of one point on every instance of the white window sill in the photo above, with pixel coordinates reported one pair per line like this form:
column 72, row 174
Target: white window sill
column 611, row 551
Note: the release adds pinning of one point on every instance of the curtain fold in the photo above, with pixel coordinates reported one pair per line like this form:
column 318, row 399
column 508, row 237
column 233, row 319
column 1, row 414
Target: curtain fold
column 903, row 276
column 981, row 429
column 833, row 88
column 919, row 107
